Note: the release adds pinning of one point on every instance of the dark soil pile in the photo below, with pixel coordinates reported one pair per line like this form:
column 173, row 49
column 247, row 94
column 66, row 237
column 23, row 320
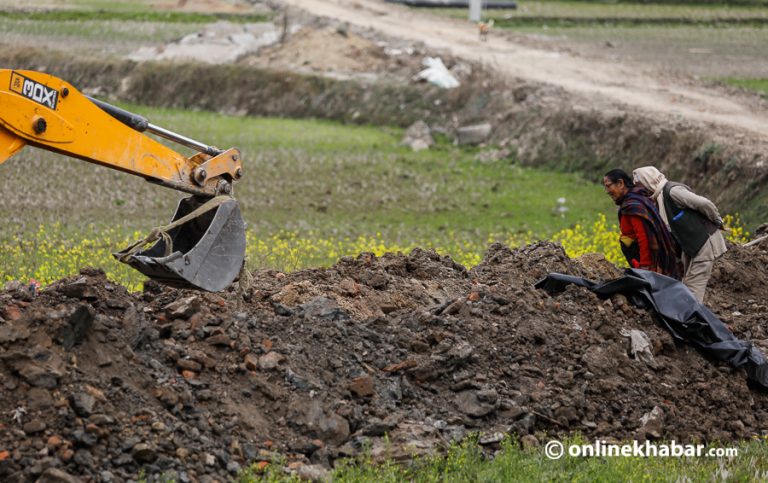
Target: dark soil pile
column 101, row 385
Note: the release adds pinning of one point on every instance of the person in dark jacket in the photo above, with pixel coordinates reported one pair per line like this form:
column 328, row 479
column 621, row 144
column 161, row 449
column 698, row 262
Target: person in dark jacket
column 695, row 224
column 645, row 240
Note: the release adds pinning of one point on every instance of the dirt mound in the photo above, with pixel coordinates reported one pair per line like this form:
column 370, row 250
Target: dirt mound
column 320, row 364
column 339, row 52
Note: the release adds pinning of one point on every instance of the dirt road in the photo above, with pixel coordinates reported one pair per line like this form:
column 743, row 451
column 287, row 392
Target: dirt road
column 599, row 82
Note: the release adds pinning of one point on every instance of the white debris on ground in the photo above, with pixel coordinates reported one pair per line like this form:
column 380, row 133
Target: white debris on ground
column 437, row 73
column 217, row 43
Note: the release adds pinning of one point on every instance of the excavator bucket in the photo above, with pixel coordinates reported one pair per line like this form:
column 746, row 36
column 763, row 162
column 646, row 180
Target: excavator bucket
column 207, row 252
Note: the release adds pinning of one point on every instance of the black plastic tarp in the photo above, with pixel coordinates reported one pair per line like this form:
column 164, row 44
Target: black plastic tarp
column 682, row 315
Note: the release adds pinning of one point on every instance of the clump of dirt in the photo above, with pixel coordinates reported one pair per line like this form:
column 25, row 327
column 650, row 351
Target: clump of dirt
column 312, row 366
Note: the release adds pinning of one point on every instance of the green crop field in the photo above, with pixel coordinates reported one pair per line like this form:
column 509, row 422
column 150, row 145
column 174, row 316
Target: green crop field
column 313, row 191
column 125, row 26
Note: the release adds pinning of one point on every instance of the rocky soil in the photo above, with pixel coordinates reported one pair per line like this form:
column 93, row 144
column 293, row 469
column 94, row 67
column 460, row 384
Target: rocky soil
column 301, row 369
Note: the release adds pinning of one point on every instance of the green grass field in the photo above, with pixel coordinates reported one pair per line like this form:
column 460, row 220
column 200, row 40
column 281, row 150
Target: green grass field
column 125, row 26
column 468, row 463
column 756, row 85
column 313, row 191
column 325, row 177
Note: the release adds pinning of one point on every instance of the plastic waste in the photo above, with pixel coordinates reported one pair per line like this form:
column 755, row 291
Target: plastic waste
column 436, row 73
column 640, row 346
column 680, row 313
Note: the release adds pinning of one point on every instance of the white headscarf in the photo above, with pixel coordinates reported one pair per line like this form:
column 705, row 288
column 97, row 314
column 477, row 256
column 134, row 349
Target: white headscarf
column 654, row 181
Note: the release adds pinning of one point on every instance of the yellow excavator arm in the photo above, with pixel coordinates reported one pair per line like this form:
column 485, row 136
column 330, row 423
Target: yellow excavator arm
column 204, row 246
column 44, row 111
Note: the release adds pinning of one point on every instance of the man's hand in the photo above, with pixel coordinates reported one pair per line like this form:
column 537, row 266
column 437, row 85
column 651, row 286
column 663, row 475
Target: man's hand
column 721, row 225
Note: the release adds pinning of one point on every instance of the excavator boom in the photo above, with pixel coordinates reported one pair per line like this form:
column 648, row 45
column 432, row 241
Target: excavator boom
column 204, row 246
